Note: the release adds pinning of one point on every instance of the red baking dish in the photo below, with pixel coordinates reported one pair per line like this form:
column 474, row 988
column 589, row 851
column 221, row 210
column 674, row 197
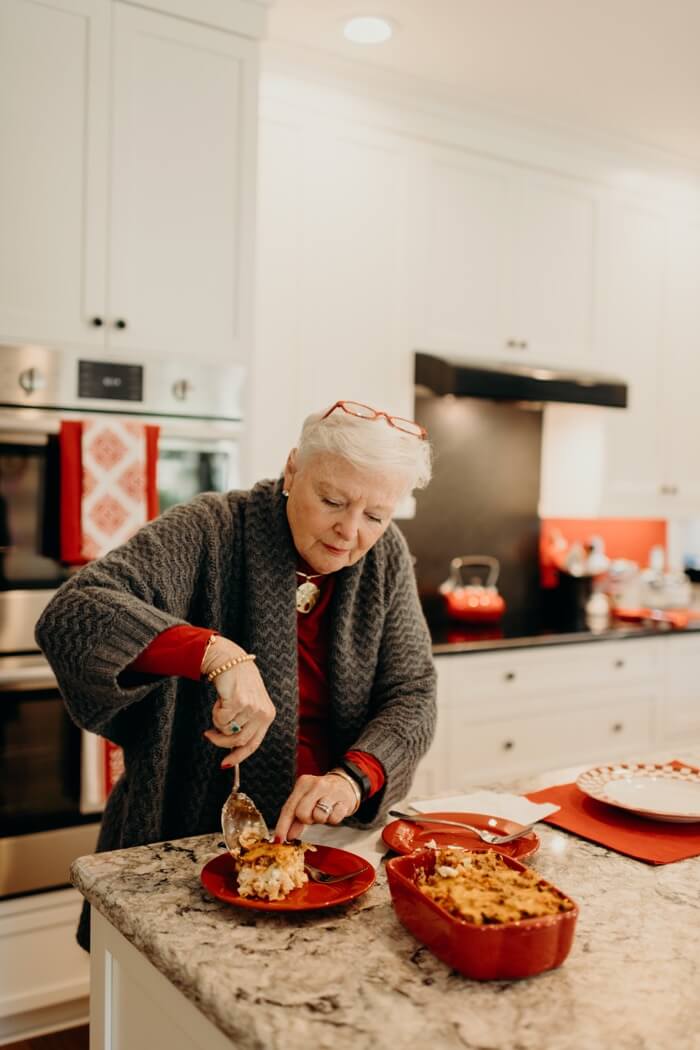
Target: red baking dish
column 501, row 951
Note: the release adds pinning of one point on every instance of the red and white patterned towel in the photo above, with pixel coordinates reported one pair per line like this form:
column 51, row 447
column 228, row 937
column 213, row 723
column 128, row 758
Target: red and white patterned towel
column 114, row 504
column 108, row 484
column 108, row 491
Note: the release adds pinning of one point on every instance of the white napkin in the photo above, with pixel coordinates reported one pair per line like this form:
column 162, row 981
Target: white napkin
column 366, row 844
column 492, row 803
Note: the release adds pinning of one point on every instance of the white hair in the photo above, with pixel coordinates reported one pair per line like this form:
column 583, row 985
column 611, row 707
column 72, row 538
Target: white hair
column 369, row 444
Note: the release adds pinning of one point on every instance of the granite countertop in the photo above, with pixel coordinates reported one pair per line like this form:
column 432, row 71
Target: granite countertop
column 354, row 978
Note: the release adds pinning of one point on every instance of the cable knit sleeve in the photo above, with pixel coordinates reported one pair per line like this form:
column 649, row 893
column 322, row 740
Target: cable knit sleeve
column 100, row 620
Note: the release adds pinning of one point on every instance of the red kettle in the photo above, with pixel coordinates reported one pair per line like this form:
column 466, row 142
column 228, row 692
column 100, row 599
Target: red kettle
column 473, row 602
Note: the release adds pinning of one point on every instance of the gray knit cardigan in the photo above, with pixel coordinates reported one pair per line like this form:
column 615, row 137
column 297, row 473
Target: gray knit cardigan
column 228, row 562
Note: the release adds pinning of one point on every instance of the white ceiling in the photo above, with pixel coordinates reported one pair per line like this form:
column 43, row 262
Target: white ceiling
column 622, row 68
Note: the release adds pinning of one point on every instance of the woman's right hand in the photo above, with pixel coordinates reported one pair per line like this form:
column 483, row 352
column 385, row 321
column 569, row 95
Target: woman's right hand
column 242, row 701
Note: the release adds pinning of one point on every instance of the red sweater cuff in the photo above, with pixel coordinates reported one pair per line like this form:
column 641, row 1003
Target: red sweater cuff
column 176, row 653
column 371, row 767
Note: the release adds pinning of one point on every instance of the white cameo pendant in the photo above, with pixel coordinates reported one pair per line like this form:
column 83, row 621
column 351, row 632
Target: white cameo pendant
column 307, row 596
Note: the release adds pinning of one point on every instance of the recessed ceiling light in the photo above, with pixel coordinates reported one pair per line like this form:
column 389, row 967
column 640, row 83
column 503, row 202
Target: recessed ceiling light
column 368, row 29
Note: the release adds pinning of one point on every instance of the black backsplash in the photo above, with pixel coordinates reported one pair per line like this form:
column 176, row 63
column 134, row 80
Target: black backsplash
column 482, row 500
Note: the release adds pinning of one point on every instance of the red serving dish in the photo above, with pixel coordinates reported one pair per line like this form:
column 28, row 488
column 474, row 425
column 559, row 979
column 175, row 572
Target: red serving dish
column 501, row 951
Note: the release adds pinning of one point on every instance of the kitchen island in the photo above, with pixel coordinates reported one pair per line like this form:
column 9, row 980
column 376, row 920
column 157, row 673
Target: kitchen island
column 172, row 966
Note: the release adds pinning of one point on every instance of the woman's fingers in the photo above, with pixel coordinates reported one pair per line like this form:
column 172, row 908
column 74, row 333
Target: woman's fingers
column 229, row 740
column 314, row 800
column 295, row 831
column 247, row 711
column 238, row 754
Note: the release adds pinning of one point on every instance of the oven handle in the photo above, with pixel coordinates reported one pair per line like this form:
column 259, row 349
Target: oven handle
column 25, row 678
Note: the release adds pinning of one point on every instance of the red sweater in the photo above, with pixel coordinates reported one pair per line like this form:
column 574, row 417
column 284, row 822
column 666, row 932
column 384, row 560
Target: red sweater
column 179, row 651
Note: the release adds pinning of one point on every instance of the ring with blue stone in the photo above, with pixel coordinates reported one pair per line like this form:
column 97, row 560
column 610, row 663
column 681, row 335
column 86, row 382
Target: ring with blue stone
column 234, row 728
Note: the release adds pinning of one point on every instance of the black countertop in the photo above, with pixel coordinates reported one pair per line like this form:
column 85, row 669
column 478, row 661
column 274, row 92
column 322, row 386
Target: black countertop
column 527, row 630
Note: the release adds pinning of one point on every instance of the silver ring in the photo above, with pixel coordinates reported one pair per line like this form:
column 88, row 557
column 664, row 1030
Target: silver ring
column 233, row 728
column 325, row 807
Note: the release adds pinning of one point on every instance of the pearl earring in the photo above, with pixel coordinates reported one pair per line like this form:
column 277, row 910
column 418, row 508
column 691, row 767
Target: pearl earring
column 285, row 492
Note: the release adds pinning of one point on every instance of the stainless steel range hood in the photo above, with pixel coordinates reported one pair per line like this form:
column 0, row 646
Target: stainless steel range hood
column 509, row 382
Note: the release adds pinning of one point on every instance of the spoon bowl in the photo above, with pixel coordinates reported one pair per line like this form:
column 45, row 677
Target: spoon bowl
column 241, row 818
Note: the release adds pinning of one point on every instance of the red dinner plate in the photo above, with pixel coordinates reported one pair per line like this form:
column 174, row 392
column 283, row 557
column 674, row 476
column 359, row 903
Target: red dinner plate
column 404, row 837
column 218, row 877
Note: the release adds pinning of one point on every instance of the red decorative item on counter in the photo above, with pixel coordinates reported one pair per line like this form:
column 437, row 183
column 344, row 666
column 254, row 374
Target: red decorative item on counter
column 473, row 602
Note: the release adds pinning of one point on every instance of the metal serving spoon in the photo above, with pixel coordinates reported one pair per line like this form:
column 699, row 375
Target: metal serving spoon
column 240, row 816
column 485, row 836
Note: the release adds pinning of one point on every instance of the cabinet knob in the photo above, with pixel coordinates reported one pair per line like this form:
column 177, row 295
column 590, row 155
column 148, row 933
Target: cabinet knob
column 508, row 745
column 522, row 345
column 120, row 323
column 97, row 322
column 512, row 343
column 617, row 727
column 619, row 663
column 31, row 379
column 181, row 388
column 509, row 676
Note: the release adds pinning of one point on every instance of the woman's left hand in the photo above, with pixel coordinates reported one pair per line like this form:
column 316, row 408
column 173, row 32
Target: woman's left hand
column 315, row 800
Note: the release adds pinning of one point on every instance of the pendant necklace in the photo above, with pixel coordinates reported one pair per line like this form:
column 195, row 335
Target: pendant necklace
column 307, row 592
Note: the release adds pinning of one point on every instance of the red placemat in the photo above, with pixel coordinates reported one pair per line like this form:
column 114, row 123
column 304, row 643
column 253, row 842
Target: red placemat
column 653, row 841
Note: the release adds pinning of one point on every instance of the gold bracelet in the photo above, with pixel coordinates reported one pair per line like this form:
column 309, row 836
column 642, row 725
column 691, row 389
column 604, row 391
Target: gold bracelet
column 212, row 638
column 355, row 787
column 228, row 665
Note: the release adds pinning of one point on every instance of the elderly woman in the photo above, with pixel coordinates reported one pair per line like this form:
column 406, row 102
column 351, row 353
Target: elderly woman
column 280, row 624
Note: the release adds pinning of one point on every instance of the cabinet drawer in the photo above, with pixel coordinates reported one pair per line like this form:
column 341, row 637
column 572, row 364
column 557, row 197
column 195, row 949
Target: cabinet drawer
column 467, row 680
column 40, row 962
column 507, row 747
column 680, row 721
column 681, row 660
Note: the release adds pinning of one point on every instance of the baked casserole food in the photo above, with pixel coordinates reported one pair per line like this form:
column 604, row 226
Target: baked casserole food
column 271, row 870
column 475, row 910
column 481, row 888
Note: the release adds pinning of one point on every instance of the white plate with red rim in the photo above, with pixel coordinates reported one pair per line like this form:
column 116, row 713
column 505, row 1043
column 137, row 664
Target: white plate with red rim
column 655, row 790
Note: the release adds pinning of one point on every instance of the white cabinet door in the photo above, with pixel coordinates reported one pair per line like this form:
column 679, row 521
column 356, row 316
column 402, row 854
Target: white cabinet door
column 507, row 262
column 631, row 281
column 463, row 231
column 349, row 336
column 680, row 372
column 552, row 279
column 679, row 706
column 54, row 68
column 44, row 975
column 184, row 100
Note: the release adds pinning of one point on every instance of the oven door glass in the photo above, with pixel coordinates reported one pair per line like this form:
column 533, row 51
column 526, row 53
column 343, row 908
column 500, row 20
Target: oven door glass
column 40, row 763
column 186, row 468
column 29, row 514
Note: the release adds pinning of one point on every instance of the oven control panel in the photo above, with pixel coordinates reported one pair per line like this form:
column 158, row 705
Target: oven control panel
column 98, row 379
column 50, row 378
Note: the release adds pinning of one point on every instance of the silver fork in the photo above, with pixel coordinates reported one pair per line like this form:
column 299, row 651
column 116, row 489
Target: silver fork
column 326, row 878
column 485, row 836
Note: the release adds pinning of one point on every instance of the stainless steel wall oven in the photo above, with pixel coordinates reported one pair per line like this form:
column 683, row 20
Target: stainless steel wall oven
column 198, row 410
